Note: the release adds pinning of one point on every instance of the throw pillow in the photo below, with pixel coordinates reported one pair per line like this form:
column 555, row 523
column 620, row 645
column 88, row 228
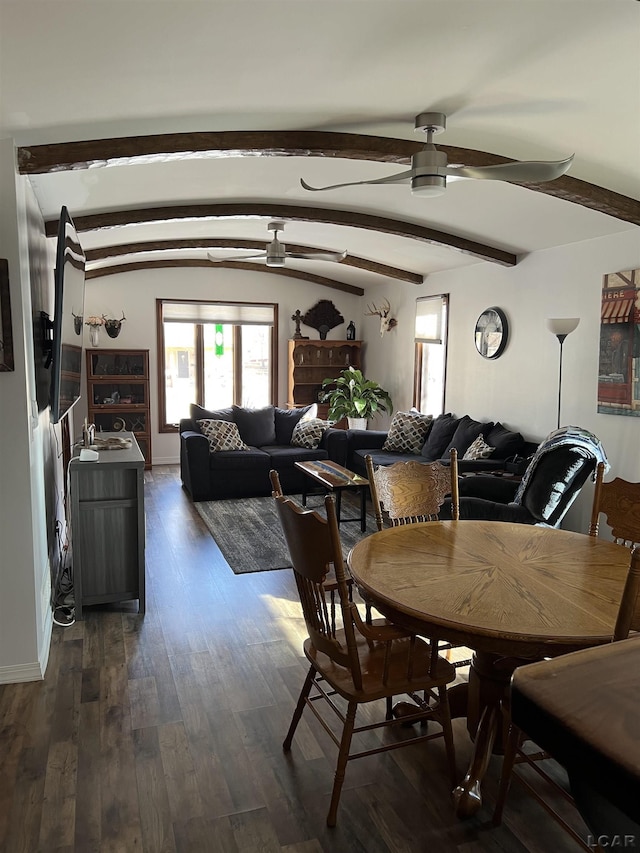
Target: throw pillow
column 222, row 435
column 308, row 433
column 506, row 442
column 197, row 413
column 257, row 426
column 286, row 419
column 407, row 432
column 479, row 449
column 466, row 432
column 439, row 437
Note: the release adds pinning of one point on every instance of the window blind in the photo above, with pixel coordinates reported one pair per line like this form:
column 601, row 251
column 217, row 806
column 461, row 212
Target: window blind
column 429, row 317
column 230, row 313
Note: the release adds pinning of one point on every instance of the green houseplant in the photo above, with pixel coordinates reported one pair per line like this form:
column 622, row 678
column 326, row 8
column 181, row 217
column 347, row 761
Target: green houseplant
column 355, row 397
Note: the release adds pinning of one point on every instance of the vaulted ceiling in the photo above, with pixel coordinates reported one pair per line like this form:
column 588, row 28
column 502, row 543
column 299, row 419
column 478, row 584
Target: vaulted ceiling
column 174, row 130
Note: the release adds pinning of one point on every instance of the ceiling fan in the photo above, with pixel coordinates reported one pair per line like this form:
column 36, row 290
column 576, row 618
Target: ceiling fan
column 429, row 168
column 276, row 254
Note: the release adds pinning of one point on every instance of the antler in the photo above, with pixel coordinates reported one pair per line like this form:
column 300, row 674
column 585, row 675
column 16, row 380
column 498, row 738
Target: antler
column 378, row 312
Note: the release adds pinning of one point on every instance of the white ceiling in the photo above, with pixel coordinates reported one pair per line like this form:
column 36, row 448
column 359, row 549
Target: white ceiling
column 522, row 79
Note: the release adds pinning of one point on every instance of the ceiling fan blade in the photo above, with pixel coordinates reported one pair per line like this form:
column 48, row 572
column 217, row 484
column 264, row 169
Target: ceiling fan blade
column 525, row 171
column 392, row 179
column 319, row 256
column 215, row 260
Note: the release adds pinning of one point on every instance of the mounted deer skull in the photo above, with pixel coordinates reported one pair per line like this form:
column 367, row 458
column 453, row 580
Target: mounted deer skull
column 386, row 322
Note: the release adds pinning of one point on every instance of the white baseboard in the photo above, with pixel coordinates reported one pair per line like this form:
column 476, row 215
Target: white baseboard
column 31, row 671
column 165, row 461
column 23, row 672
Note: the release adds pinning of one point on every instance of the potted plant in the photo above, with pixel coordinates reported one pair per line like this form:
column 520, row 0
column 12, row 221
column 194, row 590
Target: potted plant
column 355, row 398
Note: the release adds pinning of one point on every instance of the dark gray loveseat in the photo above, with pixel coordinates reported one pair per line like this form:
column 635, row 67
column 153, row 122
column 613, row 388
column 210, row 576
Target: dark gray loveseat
column 267, row 432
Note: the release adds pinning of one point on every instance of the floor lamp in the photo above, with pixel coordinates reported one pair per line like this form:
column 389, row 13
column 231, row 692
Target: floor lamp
column 561, row 328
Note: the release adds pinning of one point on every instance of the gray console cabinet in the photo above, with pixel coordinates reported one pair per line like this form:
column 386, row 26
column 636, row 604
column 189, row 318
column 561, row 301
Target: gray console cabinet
column 108, row 526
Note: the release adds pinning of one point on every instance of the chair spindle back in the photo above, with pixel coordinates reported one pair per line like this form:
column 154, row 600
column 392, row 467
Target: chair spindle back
column 619, row 502
column 315, row 549
column 629, row 612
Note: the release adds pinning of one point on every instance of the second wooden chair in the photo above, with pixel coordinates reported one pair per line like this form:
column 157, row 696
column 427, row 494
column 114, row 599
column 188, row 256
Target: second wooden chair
column 412, row 492
column 349, row 659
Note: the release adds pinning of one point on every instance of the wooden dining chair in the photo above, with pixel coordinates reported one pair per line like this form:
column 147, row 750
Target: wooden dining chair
column 412, row 492
column 628, row 620
column 350, row 659
column 330, row 584
column 619, row 502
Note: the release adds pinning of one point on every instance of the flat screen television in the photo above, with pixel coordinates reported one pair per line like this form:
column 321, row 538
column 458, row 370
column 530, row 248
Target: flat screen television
column 68, row 321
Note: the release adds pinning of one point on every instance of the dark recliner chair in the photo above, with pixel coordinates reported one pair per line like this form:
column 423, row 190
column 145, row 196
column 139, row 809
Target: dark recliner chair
column 558, row 470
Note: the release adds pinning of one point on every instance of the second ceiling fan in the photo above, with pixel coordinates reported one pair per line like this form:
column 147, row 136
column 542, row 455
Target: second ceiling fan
column 430, row 168
column 276, row 253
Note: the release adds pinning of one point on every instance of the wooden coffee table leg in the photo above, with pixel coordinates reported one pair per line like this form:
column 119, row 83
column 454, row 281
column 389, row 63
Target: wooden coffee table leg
column 338, row 494
column 363, row 509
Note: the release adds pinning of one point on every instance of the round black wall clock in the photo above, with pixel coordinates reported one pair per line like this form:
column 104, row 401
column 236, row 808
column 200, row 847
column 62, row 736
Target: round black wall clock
column 491, row 333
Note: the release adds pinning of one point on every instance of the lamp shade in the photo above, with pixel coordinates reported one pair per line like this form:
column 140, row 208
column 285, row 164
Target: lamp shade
column 563, row 325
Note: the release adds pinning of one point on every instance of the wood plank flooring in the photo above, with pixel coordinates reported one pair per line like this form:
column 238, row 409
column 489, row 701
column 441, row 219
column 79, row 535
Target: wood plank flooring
column 163, row 733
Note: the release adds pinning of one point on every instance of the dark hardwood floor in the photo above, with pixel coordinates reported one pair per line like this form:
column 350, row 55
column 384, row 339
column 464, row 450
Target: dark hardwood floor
column 163, row 733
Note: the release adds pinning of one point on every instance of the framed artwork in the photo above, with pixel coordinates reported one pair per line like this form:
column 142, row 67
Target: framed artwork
column 6, row 337
column 619, row 355
column 491, row 333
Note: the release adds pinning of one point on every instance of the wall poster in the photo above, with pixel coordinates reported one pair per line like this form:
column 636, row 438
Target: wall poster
column 619, row 361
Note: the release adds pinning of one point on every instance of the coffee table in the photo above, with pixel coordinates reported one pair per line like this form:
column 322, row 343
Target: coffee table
column 334, row 478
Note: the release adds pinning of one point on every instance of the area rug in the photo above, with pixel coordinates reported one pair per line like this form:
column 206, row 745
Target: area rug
column 249, row 535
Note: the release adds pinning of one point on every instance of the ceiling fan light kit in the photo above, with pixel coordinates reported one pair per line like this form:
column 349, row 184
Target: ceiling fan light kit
column 429, row 167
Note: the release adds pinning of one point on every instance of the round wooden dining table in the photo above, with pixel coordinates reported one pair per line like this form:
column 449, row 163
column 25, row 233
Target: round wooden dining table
column 513, row 593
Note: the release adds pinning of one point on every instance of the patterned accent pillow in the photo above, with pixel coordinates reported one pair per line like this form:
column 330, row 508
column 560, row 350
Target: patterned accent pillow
column 407, row 432
column 479, row 449
column 308, row 433
column 222, row 435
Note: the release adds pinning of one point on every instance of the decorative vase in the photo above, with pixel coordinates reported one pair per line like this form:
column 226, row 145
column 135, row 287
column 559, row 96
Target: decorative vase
column 357, row 423
column 94, row 336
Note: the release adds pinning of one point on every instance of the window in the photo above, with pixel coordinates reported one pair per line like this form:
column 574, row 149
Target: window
column 430, row 354
column 216, row 354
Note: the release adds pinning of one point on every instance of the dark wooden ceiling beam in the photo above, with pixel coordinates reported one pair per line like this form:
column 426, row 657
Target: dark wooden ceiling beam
column 103, row 252
column 42, row 159
column 323, row 281
column 293, row 213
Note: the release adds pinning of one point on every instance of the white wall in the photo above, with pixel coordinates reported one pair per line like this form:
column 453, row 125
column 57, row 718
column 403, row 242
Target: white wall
column 25, row 615
column 521, row 387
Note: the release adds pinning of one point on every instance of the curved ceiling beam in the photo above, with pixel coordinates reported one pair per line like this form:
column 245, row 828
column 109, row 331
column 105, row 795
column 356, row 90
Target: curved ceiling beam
column 103, row 252
column 331, row 283
column 41, row 159
column 293, row 213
